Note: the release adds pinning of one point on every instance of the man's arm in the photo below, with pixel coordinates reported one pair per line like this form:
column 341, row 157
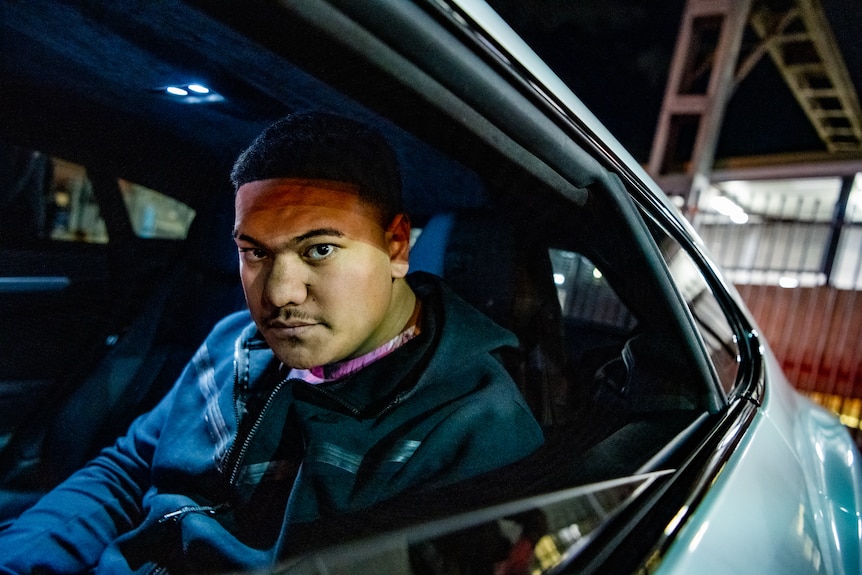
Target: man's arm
column 67, row 530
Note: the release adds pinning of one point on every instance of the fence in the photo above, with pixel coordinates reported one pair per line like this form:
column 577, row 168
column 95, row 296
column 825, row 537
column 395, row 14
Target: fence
column 794, row 251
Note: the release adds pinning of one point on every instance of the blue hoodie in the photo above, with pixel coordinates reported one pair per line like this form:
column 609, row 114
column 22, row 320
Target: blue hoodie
column 217, row 476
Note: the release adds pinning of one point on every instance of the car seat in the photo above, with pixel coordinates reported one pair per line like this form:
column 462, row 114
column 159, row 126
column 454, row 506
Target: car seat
column 134, row 373
column 506, row 273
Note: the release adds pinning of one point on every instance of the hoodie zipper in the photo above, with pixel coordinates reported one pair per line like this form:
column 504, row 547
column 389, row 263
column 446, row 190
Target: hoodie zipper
column 246, row 441
column 176, row 517
column 183, row 511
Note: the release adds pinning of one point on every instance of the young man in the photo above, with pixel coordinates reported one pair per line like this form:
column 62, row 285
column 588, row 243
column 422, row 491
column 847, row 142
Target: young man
column 346, row 383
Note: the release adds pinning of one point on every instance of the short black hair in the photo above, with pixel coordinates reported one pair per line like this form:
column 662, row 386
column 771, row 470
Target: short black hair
column 324, row 146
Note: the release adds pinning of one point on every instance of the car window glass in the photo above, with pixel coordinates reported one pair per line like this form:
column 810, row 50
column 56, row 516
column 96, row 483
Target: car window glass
column 73, row 213
column 585, row 295
column 530, row 536
column 711, row 321
column 155, row 215
column 71, row 210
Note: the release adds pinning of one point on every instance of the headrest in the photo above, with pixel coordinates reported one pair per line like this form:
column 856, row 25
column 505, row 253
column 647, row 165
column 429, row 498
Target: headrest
column 429, row 251
column 473, row 251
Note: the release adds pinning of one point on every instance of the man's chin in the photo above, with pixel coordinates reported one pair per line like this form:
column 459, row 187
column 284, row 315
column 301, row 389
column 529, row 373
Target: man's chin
column 295, row 357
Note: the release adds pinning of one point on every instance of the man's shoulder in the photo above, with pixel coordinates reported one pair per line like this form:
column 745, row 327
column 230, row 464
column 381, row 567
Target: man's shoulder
column 462, row 322
column 229, row 328
column 236, row 321
column 433, row 291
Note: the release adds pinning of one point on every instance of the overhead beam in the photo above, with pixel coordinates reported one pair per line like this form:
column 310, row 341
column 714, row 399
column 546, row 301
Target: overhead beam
column 803, row 48
column 787, row 166
column 694, row 103
column 707, row 66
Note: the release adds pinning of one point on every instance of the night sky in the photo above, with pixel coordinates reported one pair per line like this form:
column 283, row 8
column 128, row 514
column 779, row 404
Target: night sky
column 615, row 55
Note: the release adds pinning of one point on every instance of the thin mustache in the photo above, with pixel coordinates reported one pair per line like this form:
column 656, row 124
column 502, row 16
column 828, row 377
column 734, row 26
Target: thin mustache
column 283, row 315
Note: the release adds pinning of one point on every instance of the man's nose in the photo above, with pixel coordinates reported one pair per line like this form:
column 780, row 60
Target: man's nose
column 286, row 283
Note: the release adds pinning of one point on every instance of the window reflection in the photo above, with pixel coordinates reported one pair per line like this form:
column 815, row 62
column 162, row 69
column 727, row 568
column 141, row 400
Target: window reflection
column 60, row 204
column 712, row 323
column 521, row 538
column 585, row 294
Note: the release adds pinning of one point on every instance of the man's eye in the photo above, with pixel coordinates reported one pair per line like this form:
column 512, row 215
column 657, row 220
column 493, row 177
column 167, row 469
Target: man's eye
column 320, row 251
column 253, row 253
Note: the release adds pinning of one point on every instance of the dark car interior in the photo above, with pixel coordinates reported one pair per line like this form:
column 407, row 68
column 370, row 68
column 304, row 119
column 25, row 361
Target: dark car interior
column 93, row 334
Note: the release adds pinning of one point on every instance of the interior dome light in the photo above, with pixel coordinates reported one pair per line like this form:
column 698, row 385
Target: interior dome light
column 193, row 93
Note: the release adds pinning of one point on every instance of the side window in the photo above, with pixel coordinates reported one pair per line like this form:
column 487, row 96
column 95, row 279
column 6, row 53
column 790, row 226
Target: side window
column 74, row 212
column 71, row 208
column 712, row 323
column 45, row 197
column 584, row 294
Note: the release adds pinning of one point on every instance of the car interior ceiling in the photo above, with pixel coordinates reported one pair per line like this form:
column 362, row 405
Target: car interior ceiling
column 581, row 381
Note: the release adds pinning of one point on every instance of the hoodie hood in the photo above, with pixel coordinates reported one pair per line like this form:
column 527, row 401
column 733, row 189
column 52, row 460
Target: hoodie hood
column 453, row 334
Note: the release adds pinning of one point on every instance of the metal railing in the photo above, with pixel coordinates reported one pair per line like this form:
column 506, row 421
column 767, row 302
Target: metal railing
column 794, row 251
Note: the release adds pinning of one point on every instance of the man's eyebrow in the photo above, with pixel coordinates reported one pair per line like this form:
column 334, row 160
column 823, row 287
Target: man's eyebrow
column 238, row 236
column 298, row 239
column 319, row 232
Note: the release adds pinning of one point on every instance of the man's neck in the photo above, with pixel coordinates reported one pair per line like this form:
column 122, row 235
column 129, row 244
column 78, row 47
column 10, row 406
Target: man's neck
column 340, row 369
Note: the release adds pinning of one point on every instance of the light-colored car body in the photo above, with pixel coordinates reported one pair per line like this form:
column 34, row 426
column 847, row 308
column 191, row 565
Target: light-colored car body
column 786, row 501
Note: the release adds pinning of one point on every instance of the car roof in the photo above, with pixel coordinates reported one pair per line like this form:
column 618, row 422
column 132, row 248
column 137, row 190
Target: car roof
column 85, row 82
column 96, row 73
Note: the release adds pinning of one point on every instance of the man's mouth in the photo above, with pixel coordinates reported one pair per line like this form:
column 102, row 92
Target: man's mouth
column 290, row 327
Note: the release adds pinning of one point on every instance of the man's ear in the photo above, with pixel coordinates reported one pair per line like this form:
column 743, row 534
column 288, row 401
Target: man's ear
column 398, row 238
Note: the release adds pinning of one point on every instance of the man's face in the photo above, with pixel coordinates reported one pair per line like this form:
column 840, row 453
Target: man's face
column 318, row 269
